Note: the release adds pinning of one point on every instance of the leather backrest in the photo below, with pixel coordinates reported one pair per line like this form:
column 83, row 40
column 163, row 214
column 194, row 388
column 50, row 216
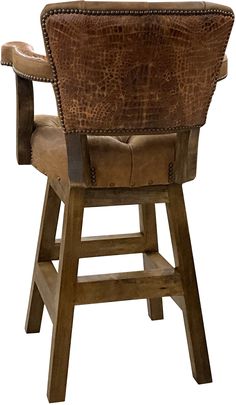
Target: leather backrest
column 135, row 67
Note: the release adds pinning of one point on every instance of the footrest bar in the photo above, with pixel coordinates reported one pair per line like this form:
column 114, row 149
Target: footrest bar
column 92, row 246
column 46, row 280
column 127, row 286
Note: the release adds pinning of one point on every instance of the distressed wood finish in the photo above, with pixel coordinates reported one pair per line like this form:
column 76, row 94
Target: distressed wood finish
column 185, row 166
column 181, row 157
column 61, row 291
column 45, row 245
column 127, row 286
column 147, row 220
column 78, row 159
column 24, row 119
column 67, row 279
column 191, row 302
column 46, row 280
column 100, row 197
column 192, row 154
column 125, row 196
column 92, row 246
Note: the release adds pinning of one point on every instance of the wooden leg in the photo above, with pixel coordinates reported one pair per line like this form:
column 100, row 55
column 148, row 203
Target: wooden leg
column 68, row 267
column 191, row 303
column 45, row 243
column 147, row 219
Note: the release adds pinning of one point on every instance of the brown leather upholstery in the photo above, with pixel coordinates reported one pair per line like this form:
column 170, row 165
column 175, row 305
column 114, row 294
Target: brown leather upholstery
column 135, row 67
column 126, row 75
column 33, row 66
column 145, row 5
column 123, row 69
column 25, row 61
column 116, row 161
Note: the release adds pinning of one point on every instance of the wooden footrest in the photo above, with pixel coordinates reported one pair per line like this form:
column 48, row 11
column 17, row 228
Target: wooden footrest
column 46, row 280
column 127, row 286
column 94, row 246
column 161, row 281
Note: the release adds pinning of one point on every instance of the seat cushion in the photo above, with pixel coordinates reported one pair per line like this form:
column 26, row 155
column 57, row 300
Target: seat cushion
column 116, row 161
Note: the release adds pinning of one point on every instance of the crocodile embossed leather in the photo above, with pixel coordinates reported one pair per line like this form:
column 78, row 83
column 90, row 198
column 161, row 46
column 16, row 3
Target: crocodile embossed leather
column 144, row 71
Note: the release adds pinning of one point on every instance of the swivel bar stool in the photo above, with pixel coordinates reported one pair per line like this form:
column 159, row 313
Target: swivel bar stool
column 133, row 83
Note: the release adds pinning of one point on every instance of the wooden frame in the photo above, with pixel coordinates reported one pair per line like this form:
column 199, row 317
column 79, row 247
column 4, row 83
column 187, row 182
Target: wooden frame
column 61, row 291
column 24, row 119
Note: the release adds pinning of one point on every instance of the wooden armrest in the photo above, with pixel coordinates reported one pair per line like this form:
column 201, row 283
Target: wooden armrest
column 25, row 62
column 224, row 69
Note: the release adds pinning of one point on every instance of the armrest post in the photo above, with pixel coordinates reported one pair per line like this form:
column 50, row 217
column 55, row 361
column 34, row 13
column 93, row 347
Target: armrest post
column 78, row 159
column 24, row 119
column 186, row 155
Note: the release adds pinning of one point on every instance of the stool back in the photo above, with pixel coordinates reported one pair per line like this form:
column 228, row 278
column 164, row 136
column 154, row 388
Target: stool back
column 135, row 67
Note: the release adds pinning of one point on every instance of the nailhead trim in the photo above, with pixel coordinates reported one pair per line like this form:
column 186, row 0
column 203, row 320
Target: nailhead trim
column 122, row 12
column 6, row 63
column 93, row 176
column 171, row 172
column 136, row 12
column 26, row 76
column 135, row 131
column 32, row 77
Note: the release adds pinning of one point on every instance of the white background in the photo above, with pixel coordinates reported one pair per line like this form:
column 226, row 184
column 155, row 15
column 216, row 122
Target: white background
column 118, row 355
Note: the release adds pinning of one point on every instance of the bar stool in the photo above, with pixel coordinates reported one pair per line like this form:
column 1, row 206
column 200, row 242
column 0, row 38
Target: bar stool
column 133, row 84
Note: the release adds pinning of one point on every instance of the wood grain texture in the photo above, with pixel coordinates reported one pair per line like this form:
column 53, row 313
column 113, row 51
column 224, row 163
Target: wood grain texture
column 61, row 291
column 147, row 220
column 142, row 69
column 46, row 280
column 125, row 196
column 100, row 197
column 45, row 244
column 67, row 278
column 191, row 303
column 192, row 154
column 181, row 157
column 78, row 159
column 185, row 166
column 94, row 246
column 24, row 119
column 127, row 286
